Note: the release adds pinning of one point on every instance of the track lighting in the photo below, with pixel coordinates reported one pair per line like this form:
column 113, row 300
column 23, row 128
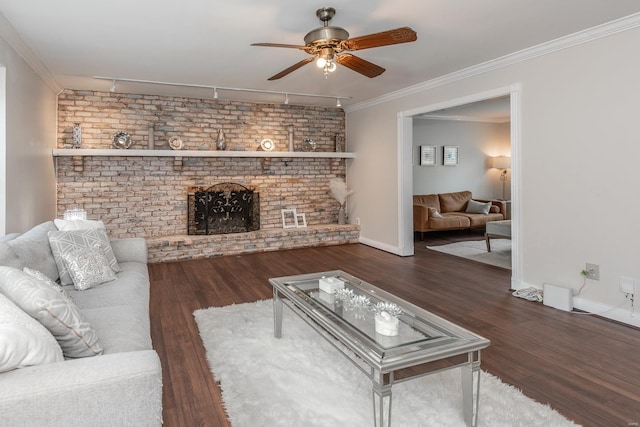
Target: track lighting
column 298, row 95
column 338, row 103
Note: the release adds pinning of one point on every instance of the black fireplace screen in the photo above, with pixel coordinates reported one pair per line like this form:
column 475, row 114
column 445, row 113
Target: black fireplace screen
column 222, row 209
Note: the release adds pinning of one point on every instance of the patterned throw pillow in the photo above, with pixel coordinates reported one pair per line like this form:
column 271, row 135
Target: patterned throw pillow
column 68, row 241
column 77, row 224
column 44, row 278
column 24, row 341
column 62, row 318
column 88, row 268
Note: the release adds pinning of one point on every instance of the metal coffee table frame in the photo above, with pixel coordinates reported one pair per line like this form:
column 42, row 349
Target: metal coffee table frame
column 456, row 346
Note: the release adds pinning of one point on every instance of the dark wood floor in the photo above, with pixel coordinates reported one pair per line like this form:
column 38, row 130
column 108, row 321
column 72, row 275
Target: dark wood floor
column 586, row 367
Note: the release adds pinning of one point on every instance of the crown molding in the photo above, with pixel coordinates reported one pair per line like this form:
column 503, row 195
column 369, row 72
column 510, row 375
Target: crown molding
column 604, row 30
column 12, row 37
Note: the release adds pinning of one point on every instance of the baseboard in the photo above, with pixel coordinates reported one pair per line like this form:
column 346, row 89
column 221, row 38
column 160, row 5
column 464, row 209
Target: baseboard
column 382, row 246
column 620, row 314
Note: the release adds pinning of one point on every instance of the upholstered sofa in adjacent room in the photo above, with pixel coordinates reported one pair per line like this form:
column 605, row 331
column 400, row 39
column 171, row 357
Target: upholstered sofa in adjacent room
column 103, row 371
column 454, row 211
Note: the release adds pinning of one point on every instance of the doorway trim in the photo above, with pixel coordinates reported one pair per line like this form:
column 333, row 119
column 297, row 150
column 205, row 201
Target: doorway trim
column 405, row 170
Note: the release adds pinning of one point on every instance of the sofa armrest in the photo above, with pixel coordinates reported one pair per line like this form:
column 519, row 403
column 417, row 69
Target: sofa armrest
column 130, row 249
column 109, row 390
column 420, row 218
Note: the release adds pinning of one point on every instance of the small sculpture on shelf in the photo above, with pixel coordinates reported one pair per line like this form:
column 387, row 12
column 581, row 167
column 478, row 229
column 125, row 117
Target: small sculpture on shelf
column 77, row 136
column 221, row 143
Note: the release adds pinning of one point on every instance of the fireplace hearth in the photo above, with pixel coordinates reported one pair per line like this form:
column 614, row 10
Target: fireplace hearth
column 223, row 209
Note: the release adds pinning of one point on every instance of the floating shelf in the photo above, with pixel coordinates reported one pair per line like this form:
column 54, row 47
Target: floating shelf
column 86, row 152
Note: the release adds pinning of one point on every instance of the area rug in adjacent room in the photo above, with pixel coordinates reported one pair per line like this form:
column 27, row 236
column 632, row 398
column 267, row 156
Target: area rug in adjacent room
column 301, row 380
column 500, row 254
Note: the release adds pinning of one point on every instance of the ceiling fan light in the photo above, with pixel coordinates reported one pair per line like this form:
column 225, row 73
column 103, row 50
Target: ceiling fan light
column 321, row 62
column 331, row 66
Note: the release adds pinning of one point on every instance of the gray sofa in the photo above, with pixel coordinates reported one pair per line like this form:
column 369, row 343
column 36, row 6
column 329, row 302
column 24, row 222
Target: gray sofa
column 120, row 387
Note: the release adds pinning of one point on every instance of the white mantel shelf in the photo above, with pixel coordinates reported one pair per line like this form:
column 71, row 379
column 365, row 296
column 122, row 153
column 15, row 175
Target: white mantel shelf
column 87, row 152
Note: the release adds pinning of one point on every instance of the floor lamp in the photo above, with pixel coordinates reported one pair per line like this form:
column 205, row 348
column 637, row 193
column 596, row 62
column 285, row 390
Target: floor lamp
column 504, row 163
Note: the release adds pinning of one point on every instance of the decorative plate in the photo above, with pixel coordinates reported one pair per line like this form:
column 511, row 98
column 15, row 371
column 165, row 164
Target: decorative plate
column 267, row 145
column 308, row 144
column 122, row 140
column 175, row 143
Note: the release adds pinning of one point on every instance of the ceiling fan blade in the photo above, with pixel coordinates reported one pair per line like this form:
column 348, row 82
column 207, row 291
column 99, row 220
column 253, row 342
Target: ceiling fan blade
column 290, row 46
column 291, row 69
column 385, row 38
column 359, row 65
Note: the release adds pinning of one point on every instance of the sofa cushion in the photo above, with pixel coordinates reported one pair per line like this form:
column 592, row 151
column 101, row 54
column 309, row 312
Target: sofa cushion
column 449, row 221
column 474, row 206
column 428, row 200
column 478, row 220
column 33, row 250
column 23, row 340
column 67, row 241
column 454, row 202
column 121, row 327
column 494, row 209
column 61, row 317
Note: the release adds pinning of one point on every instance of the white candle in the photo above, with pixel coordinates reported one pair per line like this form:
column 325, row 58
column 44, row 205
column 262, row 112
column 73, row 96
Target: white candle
column 386, row 324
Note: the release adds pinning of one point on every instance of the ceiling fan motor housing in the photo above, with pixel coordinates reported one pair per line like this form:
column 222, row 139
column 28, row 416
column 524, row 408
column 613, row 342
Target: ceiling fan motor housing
column 326, row 36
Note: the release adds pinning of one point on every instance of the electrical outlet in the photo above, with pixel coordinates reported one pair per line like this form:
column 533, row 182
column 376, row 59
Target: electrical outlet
column 593, row 271
column 627, row 285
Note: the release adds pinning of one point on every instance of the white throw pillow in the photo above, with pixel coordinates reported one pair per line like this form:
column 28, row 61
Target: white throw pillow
column 77, row 224
column 88, row 268
column 62, row 242
column 434, row 213
column 46, row 279
column 24, row 341
column 62, row 318
column 478, row 207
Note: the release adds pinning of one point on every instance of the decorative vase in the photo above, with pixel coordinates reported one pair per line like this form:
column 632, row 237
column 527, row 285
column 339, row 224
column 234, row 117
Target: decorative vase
column 221, row 143
column 342, row 217
column 77, row 136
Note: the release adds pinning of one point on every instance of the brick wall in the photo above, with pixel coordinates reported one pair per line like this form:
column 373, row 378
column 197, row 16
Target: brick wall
column 195, row 121
column 147, row 196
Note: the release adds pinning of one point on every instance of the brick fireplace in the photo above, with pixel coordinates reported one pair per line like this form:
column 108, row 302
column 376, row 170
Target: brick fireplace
column 147, row 196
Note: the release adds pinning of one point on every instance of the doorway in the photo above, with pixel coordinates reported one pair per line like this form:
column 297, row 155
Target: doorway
column 405, row 168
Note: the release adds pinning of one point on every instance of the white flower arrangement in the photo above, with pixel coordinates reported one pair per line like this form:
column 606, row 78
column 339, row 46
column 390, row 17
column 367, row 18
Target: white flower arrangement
column 339, row 191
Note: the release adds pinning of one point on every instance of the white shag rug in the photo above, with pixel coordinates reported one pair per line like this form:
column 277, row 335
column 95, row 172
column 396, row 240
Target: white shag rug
column 301, row 380
column 500, row 254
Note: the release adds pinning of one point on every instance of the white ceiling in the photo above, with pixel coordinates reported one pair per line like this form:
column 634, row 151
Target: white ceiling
column 207, row 42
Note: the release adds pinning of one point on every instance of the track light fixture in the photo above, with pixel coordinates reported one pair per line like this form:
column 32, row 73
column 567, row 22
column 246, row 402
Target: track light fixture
column 298, row 95
column 338, row 103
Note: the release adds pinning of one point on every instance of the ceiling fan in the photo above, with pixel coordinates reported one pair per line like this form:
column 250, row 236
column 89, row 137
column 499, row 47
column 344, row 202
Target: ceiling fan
column 330, row 45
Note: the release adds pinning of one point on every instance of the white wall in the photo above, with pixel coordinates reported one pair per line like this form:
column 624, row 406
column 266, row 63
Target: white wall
column 578, row 172
column 476, row 142
column 28, row 174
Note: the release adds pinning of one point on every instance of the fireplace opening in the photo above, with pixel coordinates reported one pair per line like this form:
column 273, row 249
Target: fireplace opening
column 222, row 209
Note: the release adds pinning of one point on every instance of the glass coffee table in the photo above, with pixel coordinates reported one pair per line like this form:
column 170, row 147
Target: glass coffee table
column 347, row 312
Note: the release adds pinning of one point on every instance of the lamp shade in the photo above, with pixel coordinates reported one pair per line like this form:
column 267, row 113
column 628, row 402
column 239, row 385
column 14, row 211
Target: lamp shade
column 501, row 162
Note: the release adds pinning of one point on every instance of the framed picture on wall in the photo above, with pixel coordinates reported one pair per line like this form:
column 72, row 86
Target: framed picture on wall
column 427, row 155
column 450, row 155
